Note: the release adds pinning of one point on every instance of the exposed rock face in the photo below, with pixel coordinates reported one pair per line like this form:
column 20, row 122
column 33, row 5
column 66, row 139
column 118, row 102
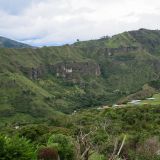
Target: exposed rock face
column 71, row 69
column 66, row 70
column 36, row 73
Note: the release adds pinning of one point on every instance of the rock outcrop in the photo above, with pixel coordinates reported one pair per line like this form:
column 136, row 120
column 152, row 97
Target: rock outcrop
column 65, row 70
column 71, row 69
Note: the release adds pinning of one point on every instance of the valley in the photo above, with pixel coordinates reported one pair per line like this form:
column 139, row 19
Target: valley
column 107, row 90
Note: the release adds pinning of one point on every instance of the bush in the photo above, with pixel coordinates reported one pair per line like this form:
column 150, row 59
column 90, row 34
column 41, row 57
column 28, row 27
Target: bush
column 64, row 145
column 34, row 132
column 16, row 148
column 47, row 153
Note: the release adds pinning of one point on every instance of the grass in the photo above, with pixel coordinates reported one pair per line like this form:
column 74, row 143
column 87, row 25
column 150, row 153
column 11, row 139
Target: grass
column 155, row 101
column 97, row 156
column 26, row 83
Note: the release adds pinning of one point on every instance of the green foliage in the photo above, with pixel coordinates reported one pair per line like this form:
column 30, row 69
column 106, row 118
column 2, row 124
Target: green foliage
column 127, row 61
column 97, row 156
column 155, row 84
column 64, row 145
column 16, row 148
column 34, row 133
column 125, row 67
column 139, row 123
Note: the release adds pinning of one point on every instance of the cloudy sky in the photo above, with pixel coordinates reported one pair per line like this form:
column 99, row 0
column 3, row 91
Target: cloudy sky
column 55, row 22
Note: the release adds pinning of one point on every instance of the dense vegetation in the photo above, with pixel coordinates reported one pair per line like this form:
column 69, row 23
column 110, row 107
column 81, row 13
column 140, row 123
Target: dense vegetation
column 28, row 89
column 38, row 86
column 101, row 130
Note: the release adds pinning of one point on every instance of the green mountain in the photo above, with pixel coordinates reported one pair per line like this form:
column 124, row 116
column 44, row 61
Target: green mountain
column 41, row 83
column 8, row 43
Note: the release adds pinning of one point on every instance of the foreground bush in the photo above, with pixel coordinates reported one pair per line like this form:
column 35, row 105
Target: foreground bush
column 64, row 145
column 47, row 153
column 16, row 148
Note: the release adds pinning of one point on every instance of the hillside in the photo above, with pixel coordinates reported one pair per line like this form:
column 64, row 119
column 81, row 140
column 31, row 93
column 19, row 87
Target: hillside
column 38, row 83
column 8, row 43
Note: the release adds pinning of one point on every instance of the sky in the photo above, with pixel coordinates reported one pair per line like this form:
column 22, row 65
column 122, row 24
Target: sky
column 57, row 22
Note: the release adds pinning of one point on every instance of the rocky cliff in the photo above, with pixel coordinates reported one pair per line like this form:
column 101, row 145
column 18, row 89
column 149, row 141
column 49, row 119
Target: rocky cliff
column 70, row 70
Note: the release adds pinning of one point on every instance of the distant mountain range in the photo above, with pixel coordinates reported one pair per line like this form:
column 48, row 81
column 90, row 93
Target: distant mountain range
column 8, row 43
column 38, row 83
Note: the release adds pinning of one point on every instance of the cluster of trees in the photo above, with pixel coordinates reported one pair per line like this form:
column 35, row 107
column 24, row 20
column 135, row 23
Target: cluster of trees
column 126, row 134
column 58, row 146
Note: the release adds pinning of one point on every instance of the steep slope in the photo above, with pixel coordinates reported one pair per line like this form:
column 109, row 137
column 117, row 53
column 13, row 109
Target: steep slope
column 126, row 62
column 149, row 39
column 8, row 43
column 39, row 82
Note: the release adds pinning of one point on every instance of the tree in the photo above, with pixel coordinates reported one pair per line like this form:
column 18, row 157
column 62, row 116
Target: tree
column 84, row 147
column 64, row 145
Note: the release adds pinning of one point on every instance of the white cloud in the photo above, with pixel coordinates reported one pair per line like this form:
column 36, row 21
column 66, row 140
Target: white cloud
column 42, row 22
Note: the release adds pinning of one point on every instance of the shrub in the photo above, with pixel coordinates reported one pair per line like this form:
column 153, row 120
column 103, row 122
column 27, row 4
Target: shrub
column 47, row 153
column 16, row 148
column 64, row 145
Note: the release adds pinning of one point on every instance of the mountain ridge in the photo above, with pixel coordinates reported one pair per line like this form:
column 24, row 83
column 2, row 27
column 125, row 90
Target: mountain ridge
column 9, row 43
